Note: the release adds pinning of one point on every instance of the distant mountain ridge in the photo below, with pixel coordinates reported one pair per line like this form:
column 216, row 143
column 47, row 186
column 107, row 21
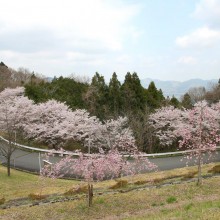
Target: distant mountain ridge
column 178, row 88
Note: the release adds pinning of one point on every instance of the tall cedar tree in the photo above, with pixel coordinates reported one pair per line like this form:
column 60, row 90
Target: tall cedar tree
column 133, row 94
column 186, row 101
column 97, row 97
column 115, row 97
column 175, row 102
column 154, row 96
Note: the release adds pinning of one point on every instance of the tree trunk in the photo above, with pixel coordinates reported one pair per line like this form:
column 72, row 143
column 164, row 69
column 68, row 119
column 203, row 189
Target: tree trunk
column 90, row 194
column 8, row 166
column 199, row 180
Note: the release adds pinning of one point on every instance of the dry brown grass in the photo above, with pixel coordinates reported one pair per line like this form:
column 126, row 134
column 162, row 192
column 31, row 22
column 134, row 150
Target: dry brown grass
column 215, row 169
column 140, row 203
column 2, row 201
column 119, row 184
column 140, row 182
column 33, row 196
column 197, row 202
column 77, row 190
column 189, row 175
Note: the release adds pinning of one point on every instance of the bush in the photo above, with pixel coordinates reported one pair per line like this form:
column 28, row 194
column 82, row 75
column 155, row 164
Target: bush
column 119, row 184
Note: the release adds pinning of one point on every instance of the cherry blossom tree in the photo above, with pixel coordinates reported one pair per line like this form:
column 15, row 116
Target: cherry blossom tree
column 55, row 124
column 112, row 134
column 13, row 109
column 165, row 122
column 97, row 167
column 196, row 129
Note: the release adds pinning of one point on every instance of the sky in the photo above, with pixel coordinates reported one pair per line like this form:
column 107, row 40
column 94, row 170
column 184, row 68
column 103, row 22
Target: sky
column 158, row 39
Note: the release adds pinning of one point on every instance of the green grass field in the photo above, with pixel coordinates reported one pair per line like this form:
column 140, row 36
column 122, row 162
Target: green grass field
column 160, row 195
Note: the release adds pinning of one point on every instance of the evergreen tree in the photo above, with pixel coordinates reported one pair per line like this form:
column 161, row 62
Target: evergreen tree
column 69, row 91
column 186, row 101
column 61, row 89
column 97, row 97
column 115, row 98
column 37, row 92
column 133, row 94
column 154, row 96
column 174, row 102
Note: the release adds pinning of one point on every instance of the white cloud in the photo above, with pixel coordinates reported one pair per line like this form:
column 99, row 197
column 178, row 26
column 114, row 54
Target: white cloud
column 56, row 37
column 187, row 60
column 200, row 38
column 209, row 11
column 104, row 22
column 149, row 61
column 208, row 35
column 123, row 59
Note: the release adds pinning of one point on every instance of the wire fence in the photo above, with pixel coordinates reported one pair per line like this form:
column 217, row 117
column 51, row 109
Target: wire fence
column 61, row 153
column 33, row 159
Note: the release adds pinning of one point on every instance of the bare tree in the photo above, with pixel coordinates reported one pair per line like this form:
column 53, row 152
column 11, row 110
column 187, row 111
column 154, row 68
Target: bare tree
column 197, row 94
column 213, row 95
column 80, row 78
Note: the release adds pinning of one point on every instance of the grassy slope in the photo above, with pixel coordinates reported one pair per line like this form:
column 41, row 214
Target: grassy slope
column 178, row 201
